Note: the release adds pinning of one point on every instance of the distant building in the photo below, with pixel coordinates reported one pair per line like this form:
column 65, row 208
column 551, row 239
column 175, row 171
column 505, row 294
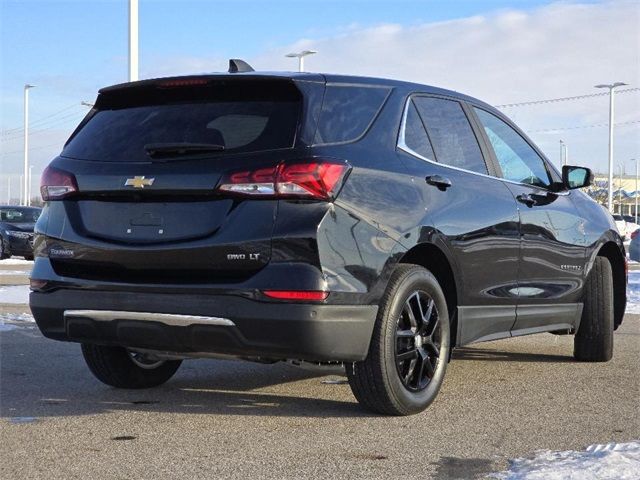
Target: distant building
column 624, row 192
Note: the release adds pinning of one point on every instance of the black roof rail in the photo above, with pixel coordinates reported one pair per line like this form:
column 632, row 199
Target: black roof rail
column 238, row 66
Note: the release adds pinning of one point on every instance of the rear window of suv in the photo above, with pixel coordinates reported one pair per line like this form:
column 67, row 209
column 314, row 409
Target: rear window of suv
column 240, row 119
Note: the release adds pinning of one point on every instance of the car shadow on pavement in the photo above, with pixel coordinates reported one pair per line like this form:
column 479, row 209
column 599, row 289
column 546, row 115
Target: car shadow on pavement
column 482, row 354
column 215, row 387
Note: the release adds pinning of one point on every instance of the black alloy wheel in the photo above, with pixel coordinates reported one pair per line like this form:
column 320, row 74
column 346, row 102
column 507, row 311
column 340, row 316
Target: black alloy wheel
column 418, row 340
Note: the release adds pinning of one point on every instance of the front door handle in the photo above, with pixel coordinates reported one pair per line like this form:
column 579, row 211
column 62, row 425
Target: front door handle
column 527, row 199
column 438, row 181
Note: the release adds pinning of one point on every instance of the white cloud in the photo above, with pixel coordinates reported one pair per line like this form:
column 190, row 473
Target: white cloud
column 563, row 49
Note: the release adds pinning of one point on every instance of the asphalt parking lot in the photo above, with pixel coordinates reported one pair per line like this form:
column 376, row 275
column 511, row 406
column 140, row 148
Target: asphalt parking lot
column 222, row 419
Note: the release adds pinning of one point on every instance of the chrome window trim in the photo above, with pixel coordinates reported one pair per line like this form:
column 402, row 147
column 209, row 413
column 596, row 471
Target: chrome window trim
column 401, row 144
column 165, row 318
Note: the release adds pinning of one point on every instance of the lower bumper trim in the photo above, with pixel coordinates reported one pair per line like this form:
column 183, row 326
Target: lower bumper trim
column 170, row 319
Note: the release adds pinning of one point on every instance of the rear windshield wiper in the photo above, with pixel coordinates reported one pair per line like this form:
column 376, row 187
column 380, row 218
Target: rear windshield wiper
column 159, row 150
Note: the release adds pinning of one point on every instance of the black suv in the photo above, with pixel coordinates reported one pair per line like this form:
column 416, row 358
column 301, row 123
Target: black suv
column 317, row 218
column 16, row 230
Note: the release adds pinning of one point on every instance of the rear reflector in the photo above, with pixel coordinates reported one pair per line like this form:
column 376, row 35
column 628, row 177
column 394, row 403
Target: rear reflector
column 56, row 184
column 36, row 284
column 296, row 294
column 317, row 180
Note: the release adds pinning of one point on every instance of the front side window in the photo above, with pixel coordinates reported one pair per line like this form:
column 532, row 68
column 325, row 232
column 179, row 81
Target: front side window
column 451, row 135
column 518, row 161
column 19, row 215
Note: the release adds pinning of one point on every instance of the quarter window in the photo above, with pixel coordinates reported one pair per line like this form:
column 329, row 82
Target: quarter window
column 518, row 161
column 415, row 136
column 450, row 132
column 347, row 112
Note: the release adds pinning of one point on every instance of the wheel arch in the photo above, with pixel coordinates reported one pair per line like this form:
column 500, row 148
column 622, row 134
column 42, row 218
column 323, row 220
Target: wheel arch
column 434, row 259
column 611, row 251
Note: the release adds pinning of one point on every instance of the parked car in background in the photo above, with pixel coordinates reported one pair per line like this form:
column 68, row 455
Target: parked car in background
column 315, row 218
column 634, row 246
column 621, row 225
column 16, row 230
column 631, row 226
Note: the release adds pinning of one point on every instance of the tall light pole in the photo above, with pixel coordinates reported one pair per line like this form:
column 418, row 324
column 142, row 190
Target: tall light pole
column 620, row 188
column 26, row 141
column 133, row 40
column 300, row 56
column 635, row 194
column 30, row 185
column 564, row 153
column 611, row 88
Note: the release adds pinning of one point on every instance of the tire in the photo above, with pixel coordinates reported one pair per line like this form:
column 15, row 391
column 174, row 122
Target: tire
column 389, row 385
column 115, row 366
column 4, row 251
column 594, row 339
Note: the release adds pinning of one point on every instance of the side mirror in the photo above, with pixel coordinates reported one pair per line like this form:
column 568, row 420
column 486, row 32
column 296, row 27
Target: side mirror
column 576, row 177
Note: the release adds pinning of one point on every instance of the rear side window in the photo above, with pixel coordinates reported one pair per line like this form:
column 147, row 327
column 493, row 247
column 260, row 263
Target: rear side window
column 239, row 122
column 348, row 111
column 451, row 135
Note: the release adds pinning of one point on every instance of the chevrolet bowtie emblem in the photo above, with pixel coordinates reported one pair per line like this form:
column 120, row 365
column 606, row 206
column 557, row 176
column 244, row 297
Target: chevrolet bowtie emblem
column 138, row 182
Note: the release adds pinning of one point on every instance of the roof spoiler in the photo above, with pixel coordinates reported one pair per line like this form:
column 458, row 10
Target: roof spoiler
column 239, row 66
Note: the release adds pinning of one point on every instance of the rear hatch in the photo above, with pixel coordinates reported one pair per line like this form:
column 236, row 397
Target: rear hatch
column 147, row 161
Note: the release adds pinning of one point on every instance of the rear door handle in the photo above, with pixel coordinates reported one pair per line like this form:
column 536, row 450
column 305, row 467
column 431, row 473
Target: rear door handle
column 527, row 199
column 438, row 181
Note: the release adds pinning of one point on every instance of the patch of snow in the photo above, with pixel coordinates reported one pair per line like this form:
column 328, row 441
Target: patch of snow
column 633, row 292
column 16, row 261
column 14, row 272
column 15, row 294
column 613, row 461
column 11, row 321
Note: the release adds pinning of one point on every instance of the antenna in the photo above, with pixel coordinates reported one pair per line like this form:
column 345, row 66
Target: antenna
column 239, row 66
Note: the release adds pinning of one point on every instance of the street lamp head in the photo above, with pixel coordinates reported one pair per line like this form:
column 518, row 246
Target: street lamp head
column 612, row 86
column 303, row 53
column 28, row 86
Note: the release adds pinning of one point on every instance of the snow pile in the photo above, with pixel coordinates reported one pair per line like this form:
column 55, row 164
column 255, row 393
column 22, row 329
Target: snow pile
column 11, row 321
column 15, row 294
column 14, row 272
column 6, row 327
column 15, row 261
column 613, row 461
column 633, row 292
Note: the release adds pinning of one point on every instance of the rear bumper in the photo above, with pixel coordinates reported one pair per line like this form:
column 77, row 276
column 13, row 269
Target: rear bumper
column 199, row 323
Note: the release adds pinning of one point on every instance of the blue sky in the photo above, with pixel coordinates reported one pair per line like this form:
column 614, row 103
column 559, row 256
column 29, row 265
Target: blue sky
column 529, row 49
column 79, row 46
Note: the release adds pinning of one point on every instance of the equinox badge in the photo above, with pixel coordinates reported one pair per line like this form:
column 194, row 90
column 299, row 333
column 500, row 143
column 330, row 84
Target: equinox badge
column 138, row 182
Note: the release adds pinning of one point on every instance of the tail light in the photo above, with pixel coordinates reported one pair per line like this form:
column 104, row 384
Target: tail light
column 56, row 184
column 315, row 180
